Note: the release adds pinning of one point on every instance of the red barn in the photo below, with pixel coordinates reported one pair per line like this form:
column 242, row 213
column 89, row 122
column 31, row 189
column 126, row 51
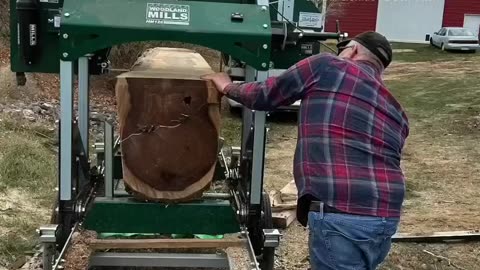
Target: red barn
column 462, row 13
column 405, row 20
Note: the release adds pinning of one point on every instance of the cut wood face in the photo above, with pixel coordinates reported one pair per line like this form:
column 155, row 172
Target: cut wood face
column 169, row 125
column 170, row 142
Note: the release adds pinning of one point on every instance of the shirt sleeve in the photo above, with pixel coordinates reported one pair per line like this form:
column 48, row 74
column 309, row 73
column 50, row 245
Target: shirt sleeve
column 283, row 90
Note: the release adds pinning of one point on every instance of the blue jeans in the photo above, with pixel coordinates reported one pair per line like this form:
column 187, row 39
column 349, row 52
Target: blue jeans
column 341, row 241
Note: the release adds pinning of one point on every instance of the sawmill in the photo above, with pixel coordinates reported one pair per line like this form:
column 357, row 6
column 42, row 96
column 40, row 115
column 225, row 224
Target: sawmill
column 162, row 189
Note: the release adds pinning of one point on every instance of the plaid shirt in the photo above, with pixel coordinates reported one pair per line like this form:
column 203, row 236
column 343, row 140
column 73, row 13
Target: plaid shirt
column 351, row 133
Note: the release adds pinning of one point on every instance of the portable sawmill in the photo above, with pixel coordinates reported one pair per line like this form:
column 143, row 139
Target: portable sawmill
column 257, row 39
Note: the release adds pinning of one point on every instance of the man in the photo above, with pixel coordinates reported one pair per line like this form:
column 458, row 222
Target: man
column 351, row 133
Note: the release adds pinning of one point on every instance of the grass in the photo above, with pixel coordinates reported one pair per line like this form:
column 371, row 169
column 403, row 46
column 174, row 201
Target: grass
column 27, row 181
column 437, row 103
column 427, row 53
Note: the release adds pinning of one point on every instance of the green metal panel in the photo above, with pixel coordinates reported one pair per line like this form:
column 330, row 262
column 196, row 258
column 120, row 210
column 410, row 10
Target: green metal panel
column 92, row 25
column 125, row 215
column 283, row 59
column 48, row 37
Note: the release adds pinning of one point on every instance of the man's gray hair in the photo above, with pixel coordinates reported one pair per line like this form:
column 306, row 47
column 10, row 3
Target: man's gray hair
column 368, row 54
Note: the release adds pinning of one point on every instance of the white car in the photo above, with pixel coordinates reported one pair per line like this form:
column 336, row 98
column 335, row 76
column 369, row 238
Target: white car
column 455, row 38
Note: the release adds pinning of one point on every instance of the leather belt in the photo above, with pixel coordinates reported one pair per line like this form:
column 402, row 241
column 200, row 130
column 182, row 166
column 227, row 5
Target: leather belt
column 316, row 205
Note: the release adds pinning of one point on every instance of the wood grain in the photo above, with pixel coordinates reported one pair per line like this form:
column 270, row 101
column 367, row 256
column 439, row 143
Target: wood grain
column 169, row 125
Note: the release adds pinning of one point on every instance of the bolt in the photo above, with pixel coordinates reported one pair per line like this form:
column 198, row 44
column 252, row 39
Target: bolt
column 65, row 54
column 65, row 36
column 264, row 64
column 264, row 8
column 265, row 26
column 67, row 14
column 265, row 46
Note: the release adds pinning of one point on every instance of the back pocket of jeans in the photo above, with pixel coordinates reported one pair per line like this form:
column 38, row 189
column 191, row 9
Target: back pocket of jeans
column 347, row 252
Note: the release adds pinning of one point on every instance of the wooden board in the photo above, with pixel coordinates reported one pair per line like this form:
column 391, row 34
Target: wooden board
column 283, row 219
column 285, row 199
column 284, row 204
column 169, row 125
column 437, row 236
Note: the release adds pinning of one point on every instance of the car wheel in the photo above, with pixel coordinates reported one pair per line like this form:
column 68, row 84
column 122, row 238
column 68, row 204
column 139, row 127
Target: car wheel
column 431, row 42
column 443, row 47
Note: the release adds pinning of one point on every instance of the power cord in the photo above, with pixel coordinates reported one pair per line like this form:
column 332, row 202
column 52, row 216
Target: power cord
column 287, row 20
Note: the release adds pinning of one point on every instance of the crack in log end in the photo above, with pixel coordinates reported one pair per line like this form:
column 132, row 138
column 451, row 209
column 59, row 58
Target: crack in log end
column 187, row 100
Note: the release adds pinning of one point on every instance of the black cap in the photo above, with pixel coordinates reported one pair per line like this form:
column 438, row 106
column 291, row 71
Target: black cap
column 375, row 43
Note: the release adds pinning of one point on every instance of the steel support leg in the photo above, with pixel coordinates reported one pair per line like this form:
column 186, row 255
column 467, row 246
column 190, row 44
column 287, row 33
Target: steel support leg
column 177, row 260
column 83, row 111
column 66, row 122
column 259, row 121
column 255, row 120
column 247, row 114
column 256, row 188
column 108, row 146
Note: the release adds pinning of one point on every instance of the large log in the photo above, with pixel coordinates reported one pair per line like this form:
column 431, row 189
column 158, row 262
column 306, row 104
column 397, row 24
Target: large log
column 169, row 125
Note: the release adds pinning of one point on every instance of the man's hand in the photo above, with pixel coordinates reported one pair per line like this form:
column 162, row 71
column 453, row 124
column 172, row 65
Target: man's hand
column 221, row 80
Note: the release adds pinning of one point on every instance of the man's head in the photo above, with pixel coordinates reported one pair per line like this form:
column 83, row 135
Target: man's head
column 368, row 46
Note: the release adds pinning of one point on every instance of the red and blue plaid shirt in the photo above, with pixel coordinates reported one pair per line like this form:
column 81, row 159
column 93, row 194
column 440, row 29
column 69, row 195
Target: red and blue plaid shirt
column 351, row 133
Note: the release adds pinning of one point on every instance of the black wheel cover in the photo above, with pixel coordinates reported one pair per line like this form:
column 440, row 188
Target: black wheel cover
column 265, row 255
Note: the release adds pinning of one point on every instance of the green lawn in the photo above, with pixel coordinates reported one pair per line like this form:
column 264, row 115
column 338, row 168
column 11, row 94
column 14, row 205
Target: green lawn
column 27, row 182
column 428, row 53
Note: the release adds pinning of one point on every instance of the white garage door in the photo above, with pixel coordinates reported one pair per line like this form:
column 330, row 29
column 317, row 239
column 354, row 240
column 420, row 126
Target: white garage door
column 409, row 20
column 472, row 22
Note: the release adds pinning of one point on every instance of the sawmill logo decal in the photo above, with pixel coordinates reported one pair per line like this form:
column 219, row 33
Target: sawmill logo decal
column 168, row 14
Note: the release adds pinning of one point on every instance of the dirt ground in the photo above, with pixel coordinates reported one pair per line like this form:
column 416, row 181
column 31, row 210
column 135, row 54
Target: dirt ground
column 440, row 161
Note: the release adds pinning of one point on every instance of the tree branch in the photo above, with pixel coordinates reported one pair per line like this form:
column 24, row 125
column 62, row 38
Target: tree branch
column 450, row 263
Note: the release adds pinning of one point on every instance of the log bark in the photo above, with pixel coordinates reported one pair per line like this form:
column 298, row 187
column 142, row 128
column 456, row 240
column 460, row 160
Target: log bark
column 169, row 125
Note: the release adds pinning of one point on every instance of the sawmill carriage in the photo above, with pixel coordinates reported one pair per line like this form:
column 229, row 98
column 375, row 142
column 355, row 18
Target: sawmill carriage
column 74, row 38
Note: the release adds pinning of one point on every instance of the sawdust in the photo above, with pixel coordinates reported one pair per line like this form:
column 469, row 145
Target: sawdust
column 16, row 205
column 239, row 259
column 279, row 158
column 77, row 257
column 445, row 176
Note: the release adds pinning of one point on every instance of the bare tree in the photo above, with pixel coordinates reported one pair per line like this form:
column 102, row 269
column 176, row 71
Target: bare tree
column 332, row 7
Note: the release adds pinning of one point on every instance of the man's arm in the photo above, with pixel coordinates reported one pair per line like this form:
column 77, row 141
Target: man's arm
column 283, row 90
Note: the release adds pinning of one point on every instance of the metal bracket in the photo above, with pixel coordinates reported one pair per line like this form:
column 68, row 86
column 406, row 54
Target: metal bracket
column 48, row 233
column 272, row 237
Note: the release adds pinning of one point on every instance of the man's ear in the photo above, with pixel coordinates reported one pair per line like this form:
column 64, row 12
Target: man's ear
column 354, row 51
